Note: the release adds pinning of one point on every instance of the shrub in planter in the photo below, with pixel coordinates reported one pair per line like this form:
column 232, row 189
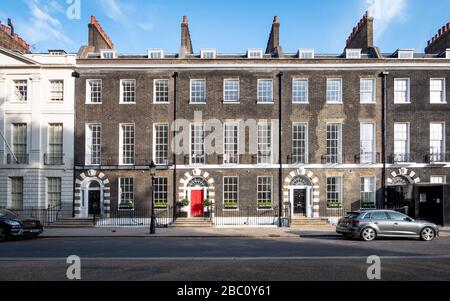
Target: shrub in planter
column 183, row 203
column 126, row 206
column 264, row 205
column 230, row 205
column 207, row 202
column 334, row 205
column 161, row 205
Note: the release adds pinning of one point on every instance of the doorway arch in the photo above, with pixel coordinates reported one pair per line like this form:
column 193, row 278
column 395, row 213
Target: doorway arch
column 92, row 188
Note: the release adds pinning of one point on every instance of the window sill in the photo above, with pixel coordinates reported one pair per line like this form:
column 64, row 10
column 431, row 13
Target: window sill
column 127, row 103
column 300, row 102
column 265, row 103
column 93, row 103
column 438, row 103
column 161, row 103
column 334, row 103
column 197, row 103
column 402, row 103
column 368, row 103
column 231, row 102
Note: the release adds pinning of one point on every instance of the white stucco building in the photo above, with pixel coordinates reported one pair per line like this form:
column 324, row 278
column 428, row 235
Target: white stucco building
column 36, row 130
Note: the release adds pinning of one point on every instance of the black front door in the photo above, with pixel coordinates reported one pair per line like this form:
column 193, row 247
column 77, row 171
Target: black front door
column 300, row 201
column 94, row 202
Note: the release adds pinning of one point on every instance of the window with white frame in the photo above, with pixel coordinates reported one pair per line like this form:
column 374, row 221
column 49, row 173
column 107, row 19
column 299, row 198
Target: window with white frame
column 401, row 142
column 16, row 193
column 353, row 53
column 299, row 143
column 334, row 192
column 265, row 91
column 367, row 141
column 254, row 53
column 300, row 91
column 94, row 91
column 264, row 192
column 19, row 142
column 161, row 144
column 334, row 90
column 208, row 53
column 161, row 91
column 55, row 144
column 21, row 90
column 93, row 143
column 231, row 90
column 230, row 143
column 156, row 54
column 53, row 192
column 405, row 54
column 367, row 90
column 447, row 54
column 438, row 179
column 127, row 144
column 127, row 91
column 126, row 193
column 437, row 142
column 437, row 90
column 401, row 90
column 264, row 143
column 57, row 90
column 198, row 91
column 368, row 192
column 108, row 54
column 306, row 54
column 334, row 143
column 197, row 143
column 160, row 192
column 231, row 192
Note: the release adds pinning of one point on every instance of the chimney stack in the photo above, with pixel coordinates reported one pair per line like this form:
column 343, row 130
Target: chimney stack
column 186, row 42
column 273, row 45
column 362, row 34
column 98, row 39
column 440, row 42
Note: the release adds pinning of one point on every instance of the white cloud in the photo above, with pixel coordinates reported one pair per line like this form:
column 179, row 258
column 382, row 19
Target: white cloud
column 43, row 26
column 127, row 14
column 113, row 9
column 385, row 12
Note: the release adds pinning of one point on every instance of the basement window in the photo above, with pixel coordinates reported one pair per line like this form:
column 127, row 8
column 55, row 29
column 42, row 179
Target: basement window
column 155, row 54
column 254, row 53
column 405, row 54
column 108, row 54
column 353, row 53
column 306, row 53
column 208, row 53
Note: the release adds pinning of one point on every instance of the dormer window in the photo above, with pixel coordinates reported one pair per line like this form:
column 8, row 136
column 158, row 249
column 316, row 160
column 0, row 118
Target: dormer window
column 155, row 54
column 254, row 53
column 405, row 54
column 306, row 54
column 108, row 54
column 208, row 53
column 56, row 52
column 353, row 53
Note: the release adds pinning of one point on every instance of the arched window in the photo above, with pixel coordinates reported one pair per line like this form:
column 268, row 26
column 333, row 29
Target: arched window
column 197, row 182
column 300, row 181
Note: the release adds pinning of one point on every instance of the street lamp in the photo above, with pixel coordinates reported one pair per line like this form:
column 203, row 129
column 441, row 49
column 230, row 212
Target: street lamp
column 152, row 169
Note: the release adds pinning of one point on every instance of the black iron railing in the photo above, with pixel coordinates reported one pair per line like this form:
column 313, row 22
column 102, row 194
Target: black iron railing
column 250, row 216
column 17, row 158
column 45, row 216
column 54, row 159
column 136, row 217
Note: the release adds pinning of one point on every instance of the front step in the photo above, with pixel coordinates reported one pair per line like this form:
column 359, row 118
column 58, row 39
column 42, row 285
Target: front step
column 192, row 223
column 73, row 223
column 298, row 222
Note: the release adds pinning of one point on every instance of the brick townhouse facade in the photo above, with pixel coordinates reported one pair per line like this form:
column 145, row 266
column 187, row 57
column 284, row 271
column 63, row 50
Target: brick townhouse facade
column 308, row 133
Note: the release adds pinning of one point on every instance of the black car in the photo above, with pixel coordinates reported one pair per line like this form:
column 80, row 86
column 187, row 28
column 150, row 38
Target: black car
column 11, row 225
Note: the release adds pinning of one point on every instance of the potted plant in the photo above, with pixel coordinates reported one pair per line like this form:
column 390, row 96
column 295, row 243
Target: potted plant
column 230, row 205
column 126, row 205
column 181, row 204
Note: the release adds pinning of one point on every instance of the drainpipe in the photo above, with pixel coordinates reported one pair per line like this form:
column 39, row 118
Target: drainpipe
column 174, row 155
column 280, row 152
column 383, row 135
column 75, row 75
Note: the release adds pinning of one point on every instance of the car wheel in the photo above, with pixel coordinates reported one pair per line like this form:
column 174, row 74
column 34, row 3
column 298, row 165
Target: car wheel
column 368, row 234
column 427, row 234
column 2, row 234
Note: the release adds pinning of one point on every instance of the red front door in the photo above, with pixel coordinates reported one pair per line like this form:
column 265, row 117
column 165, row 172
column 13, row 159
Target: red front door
column 196, row 202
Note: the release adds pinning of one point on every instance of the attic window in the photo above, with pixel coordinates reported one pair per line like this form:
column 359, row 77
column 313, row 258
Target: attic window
column 156, row 54
column 255, row 53
column 108, row 54
column 306, row 53
column 208, row 54
column 56, row 52
column 405, row 54
column 353, row 53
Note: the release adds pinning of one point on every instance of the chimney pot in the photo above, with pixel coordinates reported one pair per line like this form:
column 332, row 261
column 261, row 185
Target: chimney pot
column 185, row 20
column 275, row 19
column 93, row 20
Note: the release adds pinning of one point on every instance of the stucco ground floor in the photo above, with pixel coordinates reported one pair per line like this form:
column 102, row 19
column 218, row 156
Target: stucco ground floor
column 27, row 188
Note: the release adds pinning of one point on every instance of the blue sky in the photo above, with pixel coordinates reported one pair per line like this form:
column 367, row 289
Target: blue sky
column 230, row 26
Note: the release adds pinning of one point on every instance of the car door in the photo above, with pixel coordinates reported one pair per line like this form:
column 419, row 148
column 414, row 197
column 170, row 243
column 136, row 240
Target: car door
column 403, row 225
column 382, row 222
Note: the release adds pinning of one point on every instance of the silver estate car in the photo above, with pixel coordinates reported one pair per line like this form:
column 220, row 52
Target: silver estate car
column 370, row 224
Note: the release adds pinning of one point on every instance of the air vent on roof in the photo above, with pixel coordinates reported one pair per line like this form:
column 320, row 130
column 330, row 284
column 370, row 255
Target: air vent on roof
column 208, row 53
column 306, row 53
column 155, row 54
column 254, row 53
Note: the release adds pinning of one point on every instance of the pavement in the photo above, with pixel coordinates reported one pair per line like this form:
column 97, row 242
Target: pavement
column 250, row 232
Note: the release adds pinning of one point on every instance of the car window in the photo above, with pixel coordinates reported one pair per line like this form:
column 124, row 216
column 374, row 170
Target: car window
column 7, row 213
column 397, row 216
column 368, row 216
column 379, row 215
